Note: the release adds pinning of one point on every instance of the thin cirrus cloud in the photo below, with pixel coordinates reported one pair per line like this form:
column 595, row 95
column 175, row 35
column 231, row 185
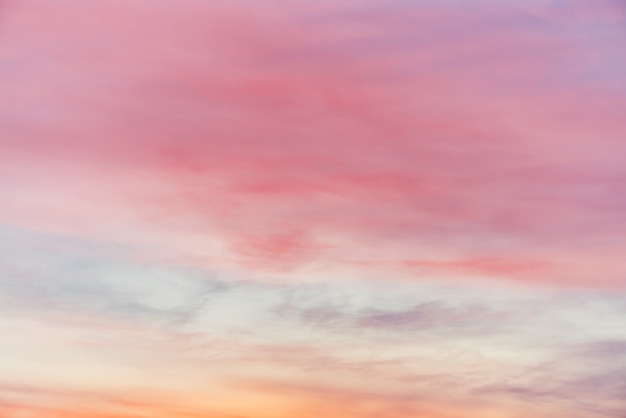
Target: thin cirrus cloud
column 277, row 209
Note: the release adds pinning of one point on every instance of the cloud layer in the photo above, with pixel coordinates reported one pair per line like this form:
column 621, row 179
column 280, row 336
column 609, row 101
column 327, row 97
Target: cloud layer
column 277, row 209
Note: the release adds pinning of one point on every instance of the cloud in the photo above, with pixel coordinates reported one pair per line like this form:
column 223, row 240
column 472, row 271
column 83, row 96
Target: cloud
column 61, row 276
column 286, row 139
column 585, row 378
column 338, row 208
column 27, row 401
column 343, row 347
column 425, row 319
column 336, row 401
column 426, row 315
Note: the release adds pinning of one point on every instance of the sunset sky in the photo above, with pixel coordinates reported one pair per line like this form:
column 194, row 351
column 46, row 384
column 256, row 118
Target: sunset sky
column 312, row 209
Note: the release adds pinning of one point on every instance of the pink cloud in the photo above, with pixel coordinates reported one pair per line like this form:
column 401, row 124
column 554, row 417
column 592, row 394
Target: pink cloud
column 427, row 138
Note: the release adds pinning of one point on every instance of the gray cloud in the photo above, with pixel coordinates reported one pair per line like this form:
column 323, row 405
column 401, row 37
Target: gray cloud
column 58, row 275
column 432, row 316
column 587, row 379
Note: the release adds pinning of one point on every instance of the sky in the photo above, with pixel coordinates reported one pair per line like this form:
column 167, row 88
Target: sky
column 297, row 209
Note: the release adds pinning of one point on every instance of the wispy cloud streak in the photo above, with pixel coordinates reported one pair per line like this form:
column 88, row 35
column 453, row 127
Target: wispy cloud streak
column 340, row 208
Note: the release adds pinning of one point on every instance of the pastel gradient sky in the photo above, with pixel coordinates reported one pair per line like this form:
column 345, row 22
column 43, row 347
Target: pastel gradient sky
column 304, row 209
